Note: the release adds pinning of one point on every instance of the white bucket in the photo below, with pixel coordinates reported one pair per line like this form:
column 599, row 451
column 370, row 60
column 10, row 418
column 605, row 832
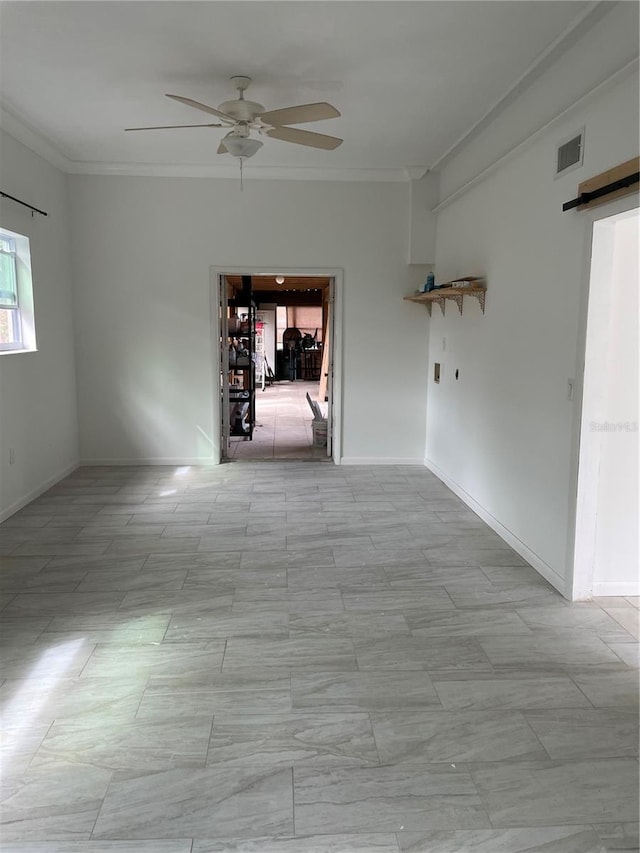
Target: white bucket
column 319, row 433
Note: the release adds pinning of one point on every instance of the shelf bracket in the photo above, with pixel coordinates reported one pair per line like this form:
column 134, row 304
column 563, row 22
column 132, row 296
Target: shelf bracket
column 479, row 295
column 441, row 302
column 458, row 299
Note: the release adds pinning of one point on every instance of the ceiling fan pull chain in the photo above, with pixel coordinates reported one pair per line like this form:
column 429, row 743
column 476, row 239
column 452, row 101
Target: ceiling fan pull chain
column 241, row 184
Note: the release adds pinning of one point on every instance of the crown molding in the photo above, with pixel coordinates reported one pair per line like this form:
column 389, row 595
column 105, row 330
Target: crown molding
column 626, row 70
column 32, row 139
column 21, row 131
column 587, row 19
column 415, row 173
column 232, row 172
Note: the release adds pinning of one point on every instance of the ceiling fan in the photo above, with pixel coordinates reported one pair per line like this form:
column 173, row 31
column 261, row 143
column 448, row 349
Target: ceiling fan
column 243, row 116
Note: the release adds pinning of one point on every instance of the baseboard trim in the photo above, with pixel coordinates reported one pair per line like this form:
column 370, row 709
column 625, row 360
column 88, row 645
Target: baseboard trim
column 379, row 460
column 35, row 493
column 620, row 588
column 151, row 460
column 534, row 560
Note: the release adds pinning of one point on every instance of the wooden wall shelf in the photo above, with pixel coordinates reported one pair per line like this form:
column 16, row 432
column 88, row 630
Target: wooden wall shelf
column 455, row 294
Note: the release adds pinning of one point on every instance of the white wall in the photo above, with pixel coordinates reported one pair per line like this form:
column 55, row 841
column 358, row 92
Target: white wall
column 502, row 434
column 38, row 413
column 615, row 419
column 142, row 250
column 423, row 197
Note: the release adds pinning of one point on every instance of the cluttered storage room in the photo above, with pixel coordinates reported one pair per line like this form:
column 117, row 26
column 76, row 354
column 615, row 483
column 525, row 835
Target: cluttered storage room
column 275, row 366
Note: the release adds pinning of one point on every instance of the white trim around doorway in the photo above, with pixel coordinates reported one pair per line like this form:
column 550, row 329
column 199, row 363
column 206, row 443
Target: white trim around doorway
column 335, row 273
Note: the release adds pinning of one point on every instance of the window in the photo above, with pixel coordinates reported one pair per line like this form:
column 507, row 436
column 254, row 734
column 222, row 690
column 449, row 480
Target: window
column 306, row 318
column 17, row 330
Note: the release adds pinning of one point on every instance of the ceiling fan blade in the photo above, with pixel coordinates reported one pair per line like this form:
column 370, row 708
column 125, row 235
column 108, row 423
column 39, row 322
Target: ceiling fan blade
column 222, row 148
column 190, row 103
column 304, row 137
column 173, row 126
column 299, row 115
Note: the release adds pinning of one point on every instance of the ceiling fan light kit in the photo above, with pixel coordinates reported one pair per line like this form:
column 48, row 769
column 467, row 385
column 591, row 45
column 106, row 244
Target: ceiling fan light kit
column 243, row 116
column 241, row 146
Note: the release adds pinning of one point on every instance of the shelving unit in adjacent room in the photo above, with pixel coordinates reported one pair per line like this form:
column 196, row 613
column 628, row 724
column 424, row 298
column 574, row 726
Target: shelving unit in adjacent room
column 455, row 291
column 241, row 374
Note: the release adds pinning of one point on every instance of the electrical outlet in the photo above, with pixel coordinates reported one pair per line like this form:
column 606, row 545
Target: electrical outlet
column 12, row 456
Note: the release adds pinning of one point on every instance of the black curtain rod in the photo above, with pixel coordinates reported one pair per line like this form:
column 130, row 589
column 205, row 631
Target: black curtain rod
column 585, row 198
column 24, row 204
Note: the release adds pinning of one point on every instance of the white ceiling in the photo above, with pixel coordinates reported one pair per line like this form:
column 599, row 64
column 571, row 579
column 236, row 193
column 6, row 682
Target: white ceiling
column 410, row 78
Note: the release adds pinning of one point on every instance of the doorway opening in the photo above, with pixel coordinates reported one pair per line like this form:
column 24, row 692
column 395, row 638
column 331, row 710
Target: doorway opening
column 277, row 348
column 606, row 531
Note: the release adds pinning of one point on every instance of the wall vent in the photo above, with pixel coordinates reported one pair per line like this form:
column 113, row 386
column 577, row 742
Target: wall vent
column 570, row 153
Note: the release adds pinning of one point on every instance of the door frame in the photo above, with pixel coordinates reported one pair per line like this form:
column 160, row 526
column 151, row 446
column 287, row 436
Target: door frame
column 335, row 336
column 583, row 504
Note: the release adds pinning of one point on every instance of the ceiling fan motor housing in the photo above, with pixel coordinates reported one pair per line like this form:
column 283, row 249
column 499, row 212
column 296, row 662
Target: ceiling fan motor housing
column 242, row 110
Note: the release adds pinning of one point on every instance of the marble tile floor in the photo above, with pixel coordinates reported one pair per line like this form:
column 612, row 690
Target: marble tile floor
column 283, row 424
column 301, row 658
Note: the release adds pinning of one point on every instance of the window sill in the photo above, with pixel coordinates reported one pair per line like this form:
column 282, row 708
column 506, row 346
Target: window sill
column 16, row 350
